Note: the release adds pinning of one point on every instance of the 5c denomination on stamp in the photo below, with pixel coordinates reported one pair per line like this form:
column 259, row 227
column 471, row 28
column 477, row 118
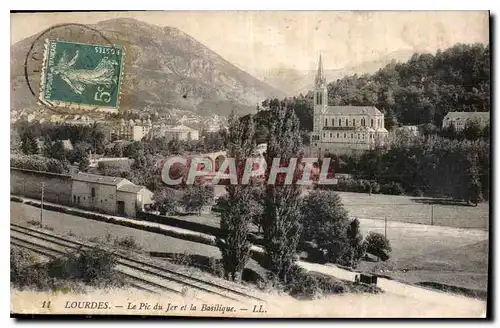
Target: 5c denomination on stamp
column 80, row 74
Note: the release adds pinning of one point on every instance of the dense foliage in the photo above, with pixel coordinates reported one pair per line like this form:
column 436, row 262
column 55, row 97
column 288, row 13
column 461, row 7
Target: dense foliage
column 433, row 165
column 327, row 225
column 378, row 245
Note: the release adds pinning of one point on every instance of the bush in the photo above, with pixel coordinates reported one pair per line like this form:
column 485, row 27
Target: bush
column 182, row 258
column 39, row 163
column 392, row 188
column 92, row 267
column 378, row 245
column 96, row 266
column 165, row 201
column 215, row 267
column 301, row 285
column 25, row 269
column 127, row 242
column 197, row 196
column 326, row 224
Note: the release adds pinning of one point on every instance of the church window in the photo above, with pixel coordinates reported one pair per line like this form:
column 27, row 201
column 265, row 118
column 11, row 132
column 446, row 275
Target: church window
column 358, row 135
column 363, row 122
column 326, row 122
column 345, row 135
column 340, row 122
column 333, row 122
column 346, row 122
column 353, row 122
column 372, row 123
column 330, row 134
column 324, row 135
column 352, row 136
column 338, row 135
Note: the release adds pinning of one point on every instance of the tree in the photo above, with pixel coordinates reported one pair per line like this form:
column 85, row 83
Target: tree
column 84, row 164
column 238, row 207
column 197, row 196
column 378, row 245
column 390, row 120
column 472, row 130
column 326, row 224
column 355, row 239
column 29, row 145
column 282, row 216
column 165, row 201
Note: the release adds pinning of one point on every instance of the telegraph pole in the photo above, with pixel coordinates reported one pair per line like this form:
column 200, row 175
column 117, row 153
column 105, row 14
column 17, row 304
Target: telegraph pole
column 432, row 214
column 385, row 227
column 41, row 208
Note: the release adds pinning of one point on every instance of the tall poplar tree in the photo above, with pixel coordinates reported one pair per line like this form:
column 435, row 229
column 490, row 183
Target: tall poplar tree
column 236, row 207
column 282, row 215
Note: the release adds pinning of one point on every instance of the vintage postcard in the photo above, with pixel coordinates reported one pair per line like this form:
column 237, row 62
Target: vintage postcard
column 250, row 164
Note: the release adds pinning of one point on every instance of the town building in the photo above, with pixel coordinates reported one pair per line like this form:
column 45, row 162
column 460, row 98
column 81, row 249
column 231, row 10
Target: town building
column 133, row 129
column 110, row 195
column 343, row 129
column 460, row 119
column 181, row 132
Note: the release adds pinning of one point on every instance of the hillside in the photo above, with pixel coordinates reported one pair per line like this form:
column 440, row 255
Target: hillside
column 294, row 82
column 166, row 68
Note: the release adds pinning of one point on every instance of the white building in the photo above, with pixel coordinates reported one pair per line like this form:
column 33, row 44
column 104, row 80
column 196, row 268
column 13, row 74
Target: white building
column 343, row 129
column 133, row 130
column 111, row 195
column 181, row 132
column 460, row 119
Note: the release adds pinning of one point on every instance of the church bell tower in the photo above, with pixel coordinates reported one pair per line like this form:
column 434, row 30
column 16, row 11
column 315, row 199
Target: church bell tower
column 320, row 97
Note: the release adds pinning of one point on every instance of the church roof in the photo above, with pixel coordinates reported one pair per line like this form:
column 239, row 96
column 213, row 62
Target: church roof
column 320, row 74
column 353, row 110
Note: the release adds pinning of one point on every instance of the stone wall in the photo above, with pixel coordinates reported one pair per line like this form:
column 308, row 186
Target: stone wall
column 27, row 183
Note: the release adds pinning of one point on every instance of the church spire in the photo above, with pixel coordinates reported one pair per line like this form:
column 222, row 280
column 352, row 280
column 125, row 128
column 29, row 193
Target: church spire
column 320, row 74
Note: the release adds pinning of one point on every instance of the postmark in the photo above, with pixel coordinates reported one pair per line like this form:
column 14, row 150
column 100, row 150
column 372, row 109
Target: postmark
column 75, row 98
column 86, row 75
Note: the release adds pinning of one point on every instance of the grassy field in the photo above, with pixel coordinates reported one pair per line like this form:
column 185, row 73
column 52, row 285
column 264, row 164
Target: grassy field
column 416, row 210
column 453, row 251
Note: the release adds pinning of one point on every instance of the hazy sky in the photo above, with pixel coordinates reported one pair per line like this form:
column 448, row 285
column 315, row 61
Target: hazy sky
column 293, row 39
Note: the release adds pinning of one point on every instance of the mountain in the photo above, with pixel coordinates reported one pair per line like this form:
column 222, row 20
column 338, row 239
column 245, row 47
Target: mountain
column 165, row 68
column 294, row 82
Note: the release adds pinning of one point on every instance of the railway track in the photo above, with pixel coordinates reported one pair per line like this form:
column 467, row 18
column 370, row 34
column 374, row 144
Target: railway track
column 141, row 274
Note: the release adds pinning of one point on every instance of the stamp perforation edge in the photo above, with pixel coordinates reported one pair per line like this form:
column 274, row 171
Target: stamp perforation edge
column 85, row 107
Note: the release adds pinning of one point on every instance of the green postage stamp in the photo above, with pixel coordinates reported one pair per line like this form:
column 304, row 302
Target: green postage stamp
column 82, row 75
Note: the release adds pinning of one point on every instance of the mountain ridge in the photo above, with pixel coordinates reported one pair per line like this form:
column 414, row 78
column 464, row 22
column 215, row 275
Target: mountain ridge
column 167, row 68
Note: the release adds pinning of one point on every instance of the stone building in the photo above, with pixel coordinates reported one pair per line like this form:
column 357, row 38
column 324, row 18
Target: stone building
column 181, row 132
column 343, row 129
column 460, row 119
column 109, row 194
column 133, row 129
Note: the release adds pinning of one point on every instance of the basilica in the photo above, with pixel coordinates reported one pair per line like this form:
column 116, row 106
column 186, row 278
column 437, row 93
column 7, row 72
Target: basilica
column 343, row 129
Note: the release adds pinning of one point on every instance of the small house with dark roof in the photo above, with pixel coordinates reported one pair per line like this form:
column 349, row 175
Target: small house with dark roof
column 112, row 195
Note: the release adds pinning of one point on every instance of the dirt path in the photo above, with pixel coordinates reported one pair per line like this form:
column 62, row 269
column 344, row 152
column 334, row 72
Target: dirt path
column 419, row 296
